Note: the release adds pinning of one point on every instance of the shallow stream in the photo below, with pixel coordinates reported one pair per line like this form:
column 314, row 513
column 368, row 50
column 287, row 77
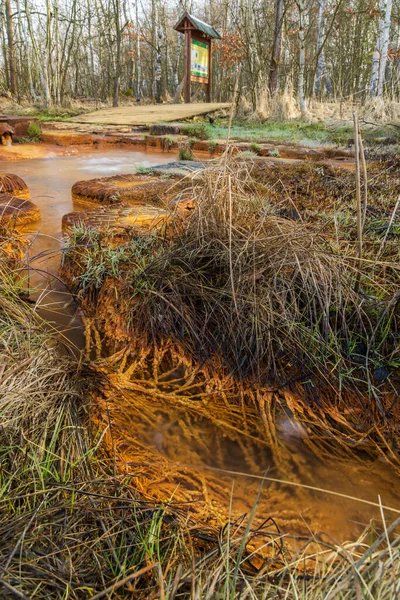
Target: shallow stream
column 50, row 180
column 192, row 440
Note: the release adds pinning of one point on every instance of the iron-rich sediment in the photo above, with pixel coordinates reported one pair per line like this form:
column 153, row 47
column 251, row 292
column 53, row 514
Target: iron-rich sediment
column 14, row 185
column 18, row 211
column 265, row 298
column 117, row 221
column 127, row 189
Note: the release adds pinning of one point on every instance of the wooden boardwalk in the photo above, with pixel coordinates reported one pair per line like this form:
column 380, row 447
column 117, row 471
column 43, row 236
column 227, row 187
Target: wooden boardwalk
column 148, row 115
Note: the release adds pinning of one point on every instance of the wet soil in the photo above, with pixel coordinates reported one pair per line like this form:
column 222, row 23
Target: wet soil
column 173, row 452
column 220, row 459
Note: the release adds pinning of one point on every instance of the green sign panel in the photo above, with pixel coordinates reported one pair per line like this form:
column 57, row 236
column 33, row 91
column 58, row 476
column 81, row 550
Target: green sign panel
column 199, row 64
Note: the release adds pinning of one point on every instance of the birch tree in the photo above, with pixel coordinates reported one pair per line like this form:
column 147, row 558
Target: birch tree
column 11, row 48
column 24, row 41
column 276, row 48
column 158, row 38
column 40, row 63
column 379, row 57
column 302, row 56
column 384, row 44
column 321, row 73
column 138, row 61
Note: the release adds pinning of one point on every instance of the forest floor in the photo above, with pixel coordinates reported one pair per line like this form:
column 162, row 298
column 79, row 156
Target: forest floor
column 72, row 522
column 328, row 124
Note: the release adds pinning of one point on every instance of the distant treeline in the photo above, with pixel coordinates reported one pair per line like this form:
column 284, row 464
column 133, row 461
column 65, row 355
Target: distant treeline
column 53, row 50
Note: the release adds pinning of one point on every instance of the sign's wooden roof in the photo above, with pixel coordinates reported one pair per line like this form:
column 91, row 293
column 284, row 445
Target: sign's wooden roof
column 205, row 28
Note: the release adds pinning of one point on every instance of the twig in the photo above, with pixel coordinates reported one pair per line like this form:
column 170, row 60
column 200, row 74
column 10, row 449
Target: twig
column 365, row 176
column 358, row 199
column 392, row 218
column 230, row 245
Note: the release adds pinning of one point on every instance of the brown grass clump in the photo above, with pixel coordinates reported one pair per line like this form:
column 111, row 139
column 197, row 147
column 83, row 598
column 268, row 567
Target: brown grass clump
column 66, row 523
column 14, row 185
column 70, row 524
column 282, row 106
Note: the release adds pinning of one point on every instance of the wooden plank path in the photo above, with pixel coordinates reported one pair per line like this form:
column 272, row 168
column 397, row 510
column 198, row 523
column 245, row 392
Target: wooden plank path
column 150, row 114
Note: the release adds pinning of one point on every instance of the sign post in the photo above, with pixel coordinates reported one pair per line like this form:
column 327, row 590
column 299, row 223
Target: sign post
column 198, row 63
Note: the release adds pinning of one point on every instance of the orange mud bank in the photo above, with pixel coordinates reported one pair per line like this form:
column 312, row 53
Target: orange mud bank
column 18, row 211
column 12, row 184
column 58, row 139
column 68, row 134
column 19, row 152
column 130, row 189
column 118, row 223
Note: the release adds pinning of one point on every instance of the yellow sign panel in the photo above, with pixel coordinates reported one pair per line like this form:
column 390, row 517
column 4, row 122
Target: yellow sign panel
column 199, row 65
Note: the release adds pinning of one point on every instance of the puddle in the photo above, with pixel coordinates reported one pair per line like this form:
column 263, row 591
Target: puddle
column 200, row 451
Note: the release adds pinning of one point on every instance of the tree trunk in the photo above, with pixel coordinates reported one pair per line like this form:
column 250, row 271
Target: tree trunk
column 302, row 56
column 117, row 63
column 276, row 48
column 138, row 63
column 176, row 62
column 158, row 56
column 67, row 50
column 11, row 49
column 22, row 34
column 57, row 73
column 384, row 46
column 42, row 69
column 321, row 67
column 379, row 57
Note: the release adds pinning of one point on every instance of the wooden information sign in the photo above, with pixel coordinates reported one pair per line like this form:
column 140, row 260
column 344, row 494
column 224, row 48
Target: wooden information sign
column 198, row 64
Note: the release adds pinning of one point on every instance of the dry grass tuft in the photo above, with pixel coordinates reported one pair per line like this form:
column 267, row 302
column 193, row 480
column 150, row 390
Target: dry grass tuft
column 279, row 107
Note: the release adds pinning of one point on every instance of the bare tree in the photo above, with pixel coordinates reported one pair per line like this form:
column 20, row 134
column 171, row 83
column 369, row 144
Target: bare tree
column 276, row 48
column 11, row 48
column 379, row 57
column 302, row 56
column 54, row 50
column 321, row 73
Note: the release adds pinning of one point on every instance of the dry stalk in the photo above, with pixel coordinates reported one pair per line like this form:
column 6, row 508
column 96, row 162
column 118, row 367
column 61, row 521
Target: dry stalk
column 358, row 199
